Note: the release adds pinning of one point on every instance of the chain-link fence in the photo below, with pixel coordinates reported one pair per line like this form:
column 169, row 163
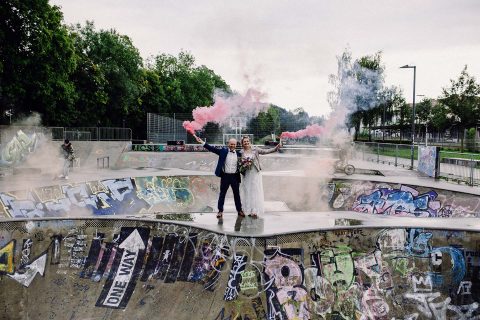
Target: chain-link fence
column 91, row 134
column 445, row 139
column 164, row 127
column 73, row 134
column 161, row 128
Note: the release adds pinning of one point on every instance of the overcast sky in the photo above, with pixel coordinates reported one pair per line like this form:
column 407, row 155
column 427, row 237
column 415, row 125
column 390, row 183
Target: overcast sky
column 287, row 49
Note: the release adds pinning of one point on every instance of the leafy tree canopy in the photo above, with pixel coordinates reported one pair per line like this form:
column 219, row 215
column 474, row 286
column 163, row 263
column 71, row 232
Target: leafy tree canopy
column 36, row 59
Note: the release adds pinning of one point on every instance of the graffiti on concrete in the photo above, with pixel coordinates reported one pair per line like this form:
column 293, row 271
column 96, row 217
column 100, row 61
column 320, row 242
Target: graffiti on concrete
column 120, row 285
column 111, row 197
column 7, row 253
column 397, row 199
column 165, row 148
column 171, row 148
column 19, row 147
column 428, row 160
column 172, row 190
column 338, row 274
column 403, row 201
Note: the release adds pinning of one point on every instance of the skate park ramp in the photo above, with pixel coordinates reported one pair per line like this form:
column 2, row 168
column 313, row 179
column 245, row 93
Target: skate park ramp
column 90, row 250
column 347, row 268
column 27, row 155
column 116, row 244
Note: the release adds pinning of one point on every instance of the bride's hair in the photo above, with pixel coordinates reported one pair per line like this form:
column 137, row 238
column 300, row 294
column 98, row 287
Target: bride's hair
column 243, row 138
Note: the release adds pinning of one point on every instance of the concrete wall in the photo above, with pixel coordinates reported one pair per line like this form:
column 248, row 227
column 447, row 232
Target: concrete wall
column 125, row 269
column 203, row 161
column 139, row 195
column 34, row 150
column 125, row 196
column 371, row 197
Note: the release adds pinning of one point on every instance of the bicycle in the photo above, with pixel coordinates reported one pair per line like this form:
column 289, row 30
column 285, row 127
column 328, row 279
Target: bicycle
column 343, row 166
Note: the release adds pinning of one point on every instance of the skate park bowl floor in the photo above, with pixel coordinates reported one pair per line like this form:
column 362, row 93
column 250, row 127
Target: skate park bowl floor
column 337, row 265
column 149, row 247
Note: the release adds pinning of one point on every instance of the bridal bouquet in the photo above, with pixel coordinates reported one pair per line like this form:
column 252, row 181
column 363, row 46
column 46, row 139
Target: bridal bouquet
column 245, row 164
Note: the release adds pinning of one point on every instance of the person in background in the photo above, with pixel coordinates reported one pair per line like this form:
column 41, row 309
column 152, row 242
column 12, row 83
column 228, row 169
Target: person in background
column 227, row 170
column 69, row 157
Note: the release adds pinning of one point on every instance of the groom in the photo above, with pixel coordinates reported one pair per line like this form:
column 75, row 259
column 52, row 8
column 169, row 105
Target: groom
column 227, row 170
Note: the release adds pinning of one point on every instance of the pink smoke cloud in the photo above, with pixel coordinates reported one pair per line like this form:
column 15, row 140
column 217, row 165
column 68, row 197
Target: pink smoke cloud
column 313, row 130
column 225, row 107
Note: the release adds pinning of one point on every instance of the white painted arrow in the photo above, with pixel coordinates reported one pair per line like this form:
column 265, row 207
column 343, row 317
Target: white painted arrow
column 38, row 265
column 125, row 271
column 133, row 242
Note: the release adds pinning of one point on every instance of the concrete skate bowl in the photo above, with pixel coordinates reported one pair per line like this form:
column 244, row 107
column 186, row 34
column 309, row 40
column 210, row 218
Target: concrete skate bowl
column 33, row 153
column 150, row 195
column 206, row 161
column 145, row 269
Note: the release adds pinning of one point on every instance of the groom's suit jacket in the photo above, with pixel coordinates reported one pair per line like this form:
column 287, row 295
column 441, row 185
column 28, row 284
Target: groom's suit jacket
column 222, row 157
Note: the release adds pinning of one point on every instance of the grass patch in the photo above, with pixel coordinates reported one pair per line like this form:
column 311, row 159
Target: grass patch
column 390, row 151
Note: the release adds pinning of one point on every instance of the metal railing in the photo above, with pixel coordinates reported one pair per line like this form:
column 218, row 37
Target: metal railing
column 71, row 133
column 398, row 155
column 91, row 133
column 101, row 162
column 460, row 167
column 454, row 166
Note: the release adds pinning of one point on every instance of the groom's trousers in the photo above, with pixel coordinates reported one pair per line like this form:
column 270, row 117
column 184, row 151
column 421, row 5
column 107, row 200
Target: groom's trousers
column 226, row 181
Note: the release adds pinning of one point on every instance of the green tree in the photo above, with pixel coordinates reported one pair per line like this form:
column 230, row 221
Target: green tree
column 462, row 100
column 36, row 60
column 185, row 85
column 358, row 89
column 471, row 133
column 90, row 82
column 269, row 122
column 440, row 119
column 120, row 64
column 423, row 111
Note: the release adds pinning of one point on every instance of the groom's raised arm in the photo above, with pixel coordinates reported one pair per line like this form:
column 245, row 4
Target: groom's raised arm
column 207, row 146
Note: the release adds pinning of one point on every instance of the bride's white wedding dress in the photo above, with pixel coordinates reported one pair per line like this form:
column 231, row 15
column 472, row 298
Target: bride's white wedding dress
column 251, row 190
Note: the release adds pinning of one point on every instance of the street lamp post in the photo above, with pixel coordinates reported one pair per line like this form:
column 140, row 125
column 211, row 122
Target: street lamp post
column 9, row 114
column 413, row 111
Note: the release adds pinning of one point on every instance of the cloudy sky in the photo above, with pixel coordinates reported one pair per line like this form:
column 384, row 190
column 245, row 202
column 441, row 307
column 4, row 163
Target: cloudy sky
column 288, row 48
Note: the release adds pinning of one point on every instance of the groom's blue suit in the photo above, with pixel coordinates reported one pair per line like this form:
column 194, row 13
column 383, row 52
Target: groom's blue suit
column 226, row 179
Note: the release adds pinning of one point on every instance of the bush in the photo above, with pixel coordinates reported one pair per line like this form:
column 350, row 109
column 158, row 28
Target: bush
column 470, row 140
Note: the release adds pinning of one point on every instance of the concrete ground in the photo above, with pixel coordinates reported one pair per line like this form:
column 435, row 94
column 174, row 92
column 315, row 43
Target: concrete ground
column 365, row 170
column 274, row 223
column 68, row 291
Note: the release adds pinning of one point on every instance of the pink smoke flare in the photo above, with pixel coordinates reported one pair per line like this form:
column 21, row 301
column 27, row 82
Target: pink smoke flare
column 313, row 130
column 226, row 107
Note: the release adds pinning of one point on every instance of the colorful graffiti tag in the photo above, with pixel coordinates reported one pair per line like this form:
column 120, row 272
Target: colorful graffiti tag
column 112, row 197
column 428, row 160
column 19, row 147
column 188, row 273
column 166, row 148
column 397, row 199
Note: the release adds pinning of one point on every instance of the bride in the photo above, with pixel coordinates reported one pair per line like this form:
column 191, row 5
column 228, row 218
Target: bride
column 251, row 188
